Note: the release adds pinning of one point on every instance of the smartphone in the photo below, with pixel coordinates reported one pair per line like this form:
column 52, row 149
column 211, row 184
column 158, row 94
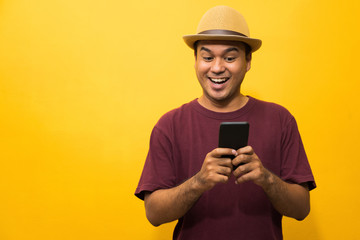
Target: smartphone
column 233, row 135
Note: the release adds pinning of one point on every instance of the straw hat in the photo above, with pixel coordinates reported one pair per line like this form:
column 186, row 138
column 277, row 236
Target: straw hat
column 223, row 23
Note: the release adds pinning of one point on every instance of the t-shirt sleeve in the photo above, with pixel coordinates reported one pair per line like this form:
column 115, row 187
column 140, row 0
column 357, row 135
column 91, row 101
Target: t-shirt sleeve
column 295, row 166
column 158, row 171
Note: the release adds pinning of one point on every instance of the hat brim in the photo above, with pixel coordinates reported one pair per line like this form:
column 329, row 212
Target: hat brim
column 254, row 43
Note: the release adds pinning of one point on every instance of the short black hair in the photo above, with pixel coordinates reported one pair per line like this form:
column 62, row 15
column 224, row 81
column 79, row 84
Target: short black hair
column 247, row 48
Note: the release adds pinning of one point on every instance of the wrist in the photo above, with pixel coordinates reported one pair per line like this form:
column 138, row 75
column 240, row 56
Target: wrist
column 198, row 184
column 269, row 181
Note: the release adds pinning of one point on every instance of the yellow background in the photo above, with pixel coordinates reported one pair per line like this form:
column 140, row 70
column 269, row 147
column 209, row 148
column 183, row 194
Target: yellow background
column 83, row 82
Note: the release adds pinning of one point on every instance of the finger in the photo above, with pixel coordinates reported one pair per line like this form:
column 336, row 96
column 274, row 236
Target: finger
column 246, row 177
column 241, row 159
column 242, row 179
column 222, row 179
column 219, row 176
column 245, row 150
column 226, row 171
column 250, row 172
column 225, row 162
column 217, row 162
column 219, row 152
column 242, row 170
column 212, row 164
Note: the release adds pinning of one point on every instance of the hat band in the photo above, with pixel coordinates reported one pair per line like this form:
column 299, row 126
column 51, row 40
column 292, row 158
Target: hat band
column 222, row 32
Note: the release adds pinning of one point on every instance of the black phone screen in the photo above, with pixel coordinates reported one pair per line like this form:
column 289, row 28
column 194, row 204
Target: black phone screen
column 233, row 135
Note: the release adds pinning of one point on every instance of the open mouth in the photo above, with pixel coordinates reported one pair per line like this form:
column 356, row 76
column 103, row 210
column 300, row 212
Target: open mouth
column 219, row 80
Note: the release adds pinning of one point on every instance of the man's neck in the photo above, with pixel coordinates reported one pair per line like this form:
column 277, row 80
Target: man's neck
column 230, row 106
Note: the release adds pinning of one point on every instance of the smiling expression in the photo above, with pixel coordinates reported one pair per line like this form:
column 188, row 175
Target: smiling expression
column 220, row 68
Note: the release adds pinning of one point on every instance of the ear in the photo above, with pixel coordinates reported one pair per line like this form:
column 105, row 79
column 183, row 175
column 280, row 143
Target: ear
column 195, row 62
column 248, row 58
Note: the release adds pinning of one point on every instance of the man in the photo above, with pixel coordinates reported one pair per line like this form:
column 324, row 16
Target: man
column 185, row 177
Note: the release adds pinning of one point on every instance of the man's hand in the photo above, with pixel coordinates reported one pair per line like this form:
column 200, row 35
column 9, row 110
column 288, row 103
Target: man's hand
column 291, row 200
column 215, row 169
column 251, row 168
column 166, row 205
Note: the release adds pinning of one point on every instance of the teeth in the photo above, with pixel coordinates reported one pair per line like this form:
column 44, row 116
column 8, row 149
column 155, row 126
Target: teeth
column 218, row 80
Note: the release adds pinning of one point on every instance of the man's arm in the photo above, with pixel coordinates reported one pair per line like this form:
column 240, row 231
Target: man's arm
column 292, row 200
column 166, row 205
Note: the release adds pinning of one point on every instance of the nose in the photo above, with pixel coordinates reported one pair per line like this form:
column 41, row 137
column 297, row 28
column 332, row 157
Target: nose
column 217, row 66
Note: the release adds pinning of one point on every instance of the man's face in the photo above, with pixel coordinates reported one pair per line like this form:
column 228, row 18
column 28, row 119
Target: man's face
column 220, row 68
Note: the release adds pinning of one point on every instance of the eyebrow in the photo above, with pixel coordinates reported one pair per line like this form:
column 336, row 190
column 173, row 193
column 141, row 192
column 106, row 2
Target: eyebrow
column 230, row 49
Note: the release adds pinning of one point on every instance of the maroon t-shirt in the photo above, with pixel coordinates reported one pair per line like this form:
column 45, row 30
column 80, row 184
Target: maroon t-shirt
column 178, row 146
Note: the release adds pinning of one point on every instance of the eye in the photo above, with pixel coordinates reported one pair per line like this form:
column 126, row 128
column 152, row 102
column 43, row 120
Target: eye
column 230, row 59
column 208, row 59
